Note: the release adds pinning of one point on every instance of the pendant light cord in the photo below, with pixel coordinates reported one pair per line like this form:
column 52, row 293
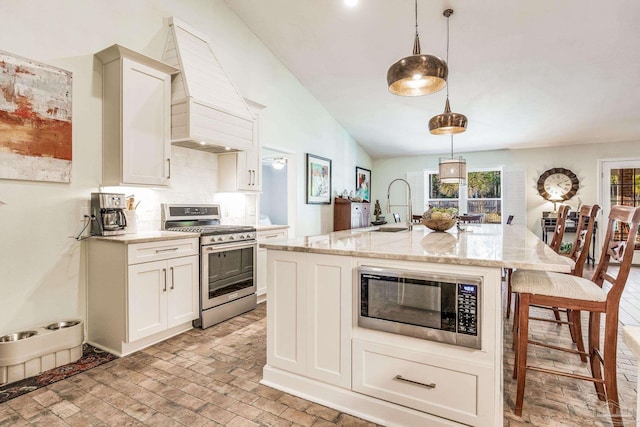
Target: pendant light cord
column 416, row 41
column 448, row 16
column 451, row 135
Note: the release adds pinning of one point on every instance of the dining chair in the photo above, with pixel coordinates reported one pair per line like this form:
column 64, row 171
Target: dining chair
column 471, row 218
column 579, row 294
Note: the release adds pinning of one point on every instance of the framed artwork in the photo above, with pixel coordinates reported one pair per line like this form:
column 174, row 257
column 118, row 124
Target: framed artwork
column 363, row 184
column 318, row 180
column 35, row 120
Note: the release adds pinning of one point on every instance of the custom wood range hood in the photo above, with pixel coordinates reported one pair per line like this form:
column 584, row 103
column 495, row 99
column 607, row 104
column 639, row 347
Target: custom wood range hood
column 207, row 111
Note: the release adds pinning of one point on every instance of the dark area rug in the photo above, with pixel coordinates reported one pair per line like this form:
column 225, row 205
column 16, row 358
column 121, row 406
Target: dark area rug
column 91, row 357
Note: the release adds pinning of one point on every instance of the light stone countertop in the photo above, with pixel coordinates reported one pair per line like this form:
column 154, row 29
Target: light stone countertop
column 485, row 245
column 151, row 236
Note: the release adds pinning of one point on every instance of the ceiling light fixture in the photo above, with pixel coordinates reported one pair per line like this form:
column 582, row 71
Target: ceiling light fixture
column 351, row 3
column 452, row 170
column 417, row 74
column 447, row 122
column 279, row 163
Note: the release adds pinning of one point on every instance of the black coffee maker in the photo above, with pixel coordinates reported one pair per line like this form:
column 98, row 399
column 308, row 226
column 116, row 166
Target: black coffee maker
column 108, row 212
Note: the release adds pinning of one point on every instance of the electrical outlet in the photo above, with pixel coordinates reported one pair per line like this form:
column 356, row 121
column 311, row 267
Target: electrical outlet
column 84, row 213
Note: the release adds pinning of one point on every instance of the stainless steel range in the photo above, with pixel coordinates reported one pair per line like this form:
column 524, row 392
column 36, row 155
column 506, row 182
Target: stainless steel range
column 227, row 260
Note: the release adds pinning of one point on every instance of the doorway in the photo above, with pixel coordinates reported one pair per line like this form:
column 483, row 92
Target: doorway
column 277, row 204
column 620, row 186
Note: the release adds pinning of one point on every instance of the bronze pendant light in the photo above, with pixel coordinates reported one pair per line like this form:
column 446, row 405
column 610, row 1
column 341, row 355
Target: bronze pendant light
column 417, row 74
column 452, row 170
column 447, row 122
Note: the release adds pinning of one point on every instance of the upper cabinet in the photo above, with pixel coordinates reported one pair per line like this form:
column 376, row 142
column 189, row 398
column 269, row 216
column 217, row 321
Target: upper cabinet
column 241, row 171
column 136, row 118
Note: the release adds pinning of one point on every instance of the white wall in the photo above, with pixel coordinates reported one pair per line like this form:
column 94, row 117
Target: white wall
column 42, row 269
column 581, row 159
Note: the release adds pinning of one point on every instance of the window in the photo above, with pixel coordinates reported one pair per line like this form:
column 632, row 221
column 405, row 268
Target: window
column 625, row 190
column 481, row 195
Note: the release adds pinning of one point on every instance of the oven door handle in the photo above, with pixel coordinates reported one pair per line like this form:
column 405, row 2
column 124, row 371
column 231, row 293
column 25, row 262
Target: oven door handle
column 224, row 247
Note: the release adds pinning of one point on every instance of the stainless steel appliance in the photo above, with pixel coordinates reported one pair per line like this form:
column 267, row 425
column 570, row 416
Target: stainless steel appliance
column 107, row 210
column 437, row 307
column 227, row 260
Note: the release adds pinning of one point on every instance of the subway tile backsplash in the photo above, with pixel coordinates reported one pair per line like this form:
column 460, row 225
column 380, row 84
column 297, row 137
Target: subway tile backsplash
column 193, row 180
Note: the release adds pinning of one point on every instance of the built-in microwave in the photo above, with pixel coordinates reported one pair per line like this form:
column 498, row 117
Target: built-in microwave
column 433, row 306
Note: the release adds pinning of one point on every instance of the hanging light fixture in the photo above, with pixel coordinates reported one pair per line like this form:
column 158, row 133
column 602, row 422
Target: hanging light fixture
column 447, row 122
column 417, row 74
column 452, row 170
column 279, row 163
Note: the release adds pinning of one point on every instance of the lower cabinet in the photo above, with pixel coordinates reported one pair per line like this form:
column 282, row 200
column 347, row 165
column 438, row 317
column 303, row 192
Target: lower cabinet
column 309, row 310
column 426, row 382
column 264, row 236
column 161, row 295
column 141, row 293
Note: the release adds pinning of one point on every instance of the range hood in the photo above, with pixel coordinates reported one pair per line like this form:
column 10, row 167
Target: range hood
column 207, row 111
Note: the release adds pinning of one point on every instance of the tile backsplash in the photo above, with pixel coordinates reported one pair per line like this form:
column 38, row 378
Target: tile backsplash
column 193, row 180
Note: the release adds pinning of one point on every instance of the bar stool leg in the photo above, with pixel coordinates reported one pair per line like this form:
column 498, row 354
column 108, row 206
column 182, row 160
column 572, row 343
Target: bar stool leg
column 575, row 319
column 594, row 346
column 523, row 340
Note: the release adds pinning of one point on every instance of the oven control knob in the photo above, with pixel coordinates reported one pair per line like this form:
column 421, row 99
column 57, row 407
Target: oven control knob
column 231, row 238
column 220, row 239
column 241, row 236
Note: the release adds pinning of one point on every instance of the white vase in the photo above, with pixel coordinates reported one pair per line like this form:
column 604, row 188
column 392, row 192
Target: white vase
column 132, row 221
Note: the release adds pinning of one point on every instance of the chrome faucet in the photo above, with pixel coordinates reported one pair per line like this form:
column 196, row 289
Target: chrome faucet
column 408, row 205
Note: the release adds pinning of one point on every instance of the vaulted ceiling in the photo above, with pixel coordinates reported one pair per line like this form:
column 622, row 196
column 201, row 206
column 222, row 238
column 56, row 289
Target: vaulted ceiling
column 525, row 73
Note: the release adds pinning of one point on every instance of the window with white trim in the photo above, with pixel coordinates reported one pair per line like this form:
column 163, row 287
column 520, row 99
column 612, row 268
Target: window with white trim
column 482, row 194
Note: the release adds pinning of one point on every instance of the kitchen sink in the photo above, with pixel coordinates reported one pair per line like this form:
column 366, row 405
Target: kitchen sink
column 391, row 229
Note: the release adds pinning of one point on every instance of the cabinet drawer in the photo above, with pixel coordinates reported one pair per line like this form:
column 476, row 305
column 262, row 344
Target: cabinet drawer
column 266, row 235
column 409, row 379
column 156, row 251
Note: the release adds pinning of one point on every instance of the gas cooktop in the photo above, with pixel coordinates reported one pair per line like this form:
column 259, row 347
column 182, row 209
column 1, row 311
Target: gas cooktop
column 199, row 218
column 214, row 229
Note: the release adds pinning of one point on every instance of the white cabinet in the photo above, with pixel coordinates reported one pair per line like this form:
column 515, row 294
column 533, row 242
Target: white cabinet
column 241, row 170
column 311, row 332
column 433, row 384
column 141, row 293
column 265, row 236
column 136, row 118
column 161, row 295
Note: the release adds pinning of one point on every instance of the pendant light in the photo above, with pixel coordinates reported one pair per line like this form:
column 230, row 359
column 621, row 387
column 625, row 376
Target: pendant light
column 417, row 74
column 447, row 122
column 452, row 170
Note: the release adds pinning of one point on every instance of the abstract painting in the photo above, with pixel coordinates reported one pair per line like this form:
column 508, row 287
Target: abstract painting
column 35, row 120
column 363, row 184
column 318, row 180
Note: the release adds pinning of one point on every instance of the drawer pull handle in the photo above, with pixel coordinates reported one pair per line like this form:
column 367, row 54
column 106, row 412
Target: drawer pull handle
column 400, row 378
column 271, row 236
column 166, row 250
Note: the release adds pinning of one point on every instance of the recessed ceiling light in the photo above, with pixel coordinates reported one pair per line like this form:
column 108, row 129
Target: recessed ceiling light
column 227, row 148
column 203, row 143
column 351, row 3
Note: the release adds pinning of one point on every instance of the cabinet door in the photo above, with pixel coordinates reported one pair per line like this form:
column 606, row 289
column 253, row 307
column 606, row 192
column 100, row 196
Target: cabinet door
column 184, row 291
column 285, row 310
column 248, row 163
column 328, row 316
column 147, row 299
column 146, row 143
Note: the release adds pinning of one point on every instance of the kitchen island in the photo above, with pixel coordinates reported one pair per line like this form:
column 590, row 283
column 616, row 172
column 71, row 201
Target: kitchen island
column 317, row 351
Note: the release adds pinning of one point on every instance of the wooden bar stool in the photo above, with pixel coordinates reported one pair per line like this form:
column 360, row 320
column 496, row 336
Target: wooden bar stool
column 556, row 242
column 580, row 294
